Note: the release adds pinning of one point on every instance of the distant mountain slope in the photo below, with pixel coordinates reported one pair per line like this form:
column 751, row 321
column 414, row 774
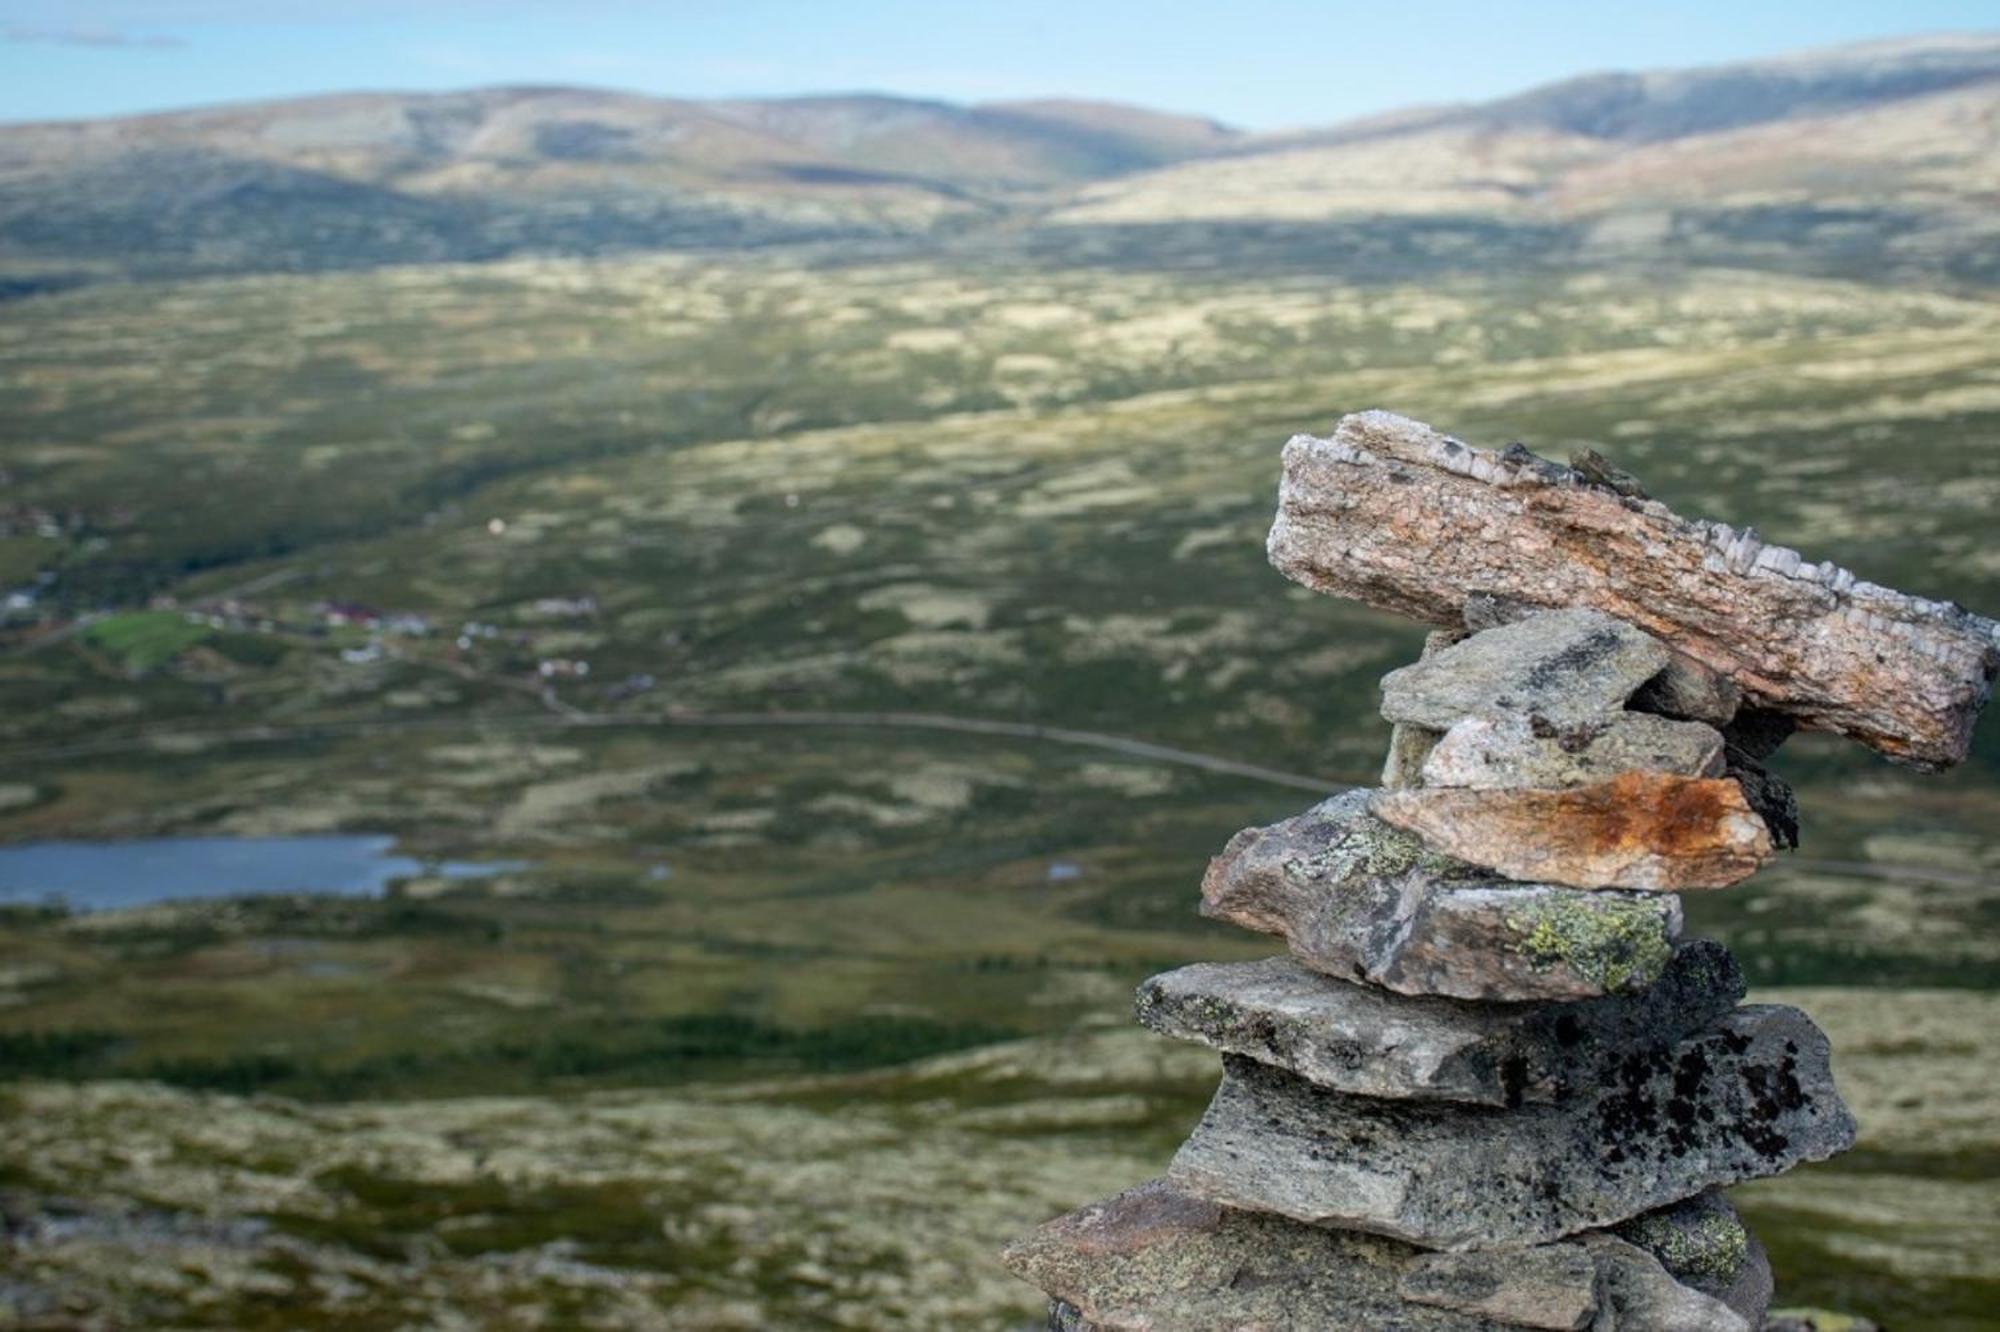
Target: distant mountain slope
column 1844, row 160
column 1850, row 159
column 1514, row 154
column 383, row 177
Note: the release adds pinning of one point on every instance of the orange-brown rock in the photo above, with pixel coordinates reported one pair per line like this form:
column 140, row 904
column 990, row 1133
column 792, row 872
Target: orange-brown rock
column 1649, row 830
column 1390, row 512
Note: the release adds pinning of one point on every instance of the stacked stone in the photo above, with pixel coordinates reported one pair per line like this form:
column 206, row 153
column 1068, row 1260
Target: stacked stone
column 1492, row 1086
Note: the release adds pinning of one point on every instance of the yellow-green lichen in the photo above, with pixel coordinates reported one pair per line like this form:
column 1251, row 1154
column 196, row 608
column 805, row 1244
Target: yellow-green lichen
column 1706, row 1248
column 1618, row 942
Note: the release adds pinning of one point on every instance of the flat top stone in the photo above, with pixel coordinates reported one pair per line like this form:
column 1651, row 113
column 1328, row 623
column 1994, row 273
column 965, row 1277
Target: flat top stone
column 1393, row 513
column 1158, row 1259
column 1361, row 1040
column 1516, row 750
column 1564, row 665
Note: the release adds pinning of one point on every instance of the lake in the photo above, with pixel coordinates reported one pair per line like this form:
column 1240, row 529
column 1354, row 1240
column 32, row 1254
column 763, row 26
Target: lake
column 97, row 876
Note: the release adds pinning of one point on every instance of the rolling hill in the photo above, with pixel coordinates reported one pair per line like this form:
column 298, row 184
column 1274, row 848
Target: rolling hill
column 356, row 180
column 1876, row 158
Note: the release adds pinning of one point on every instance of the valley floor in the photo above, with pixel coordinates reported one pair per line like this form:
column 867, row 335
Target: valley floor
column 792, row 1023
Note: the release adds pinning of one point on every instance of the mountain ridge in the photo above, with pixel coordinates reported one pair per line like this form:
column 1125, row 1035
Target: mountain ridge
column 1906, row 130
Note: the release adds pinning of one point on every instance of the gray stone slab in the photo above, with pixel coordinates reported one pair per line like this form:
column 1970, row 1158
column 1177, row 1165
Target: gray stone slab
column 1750, row 1097
column 1157, row 1259
column 1565, row 665
column 1367, row 1042
column 1512, row 750
column 1357, row 899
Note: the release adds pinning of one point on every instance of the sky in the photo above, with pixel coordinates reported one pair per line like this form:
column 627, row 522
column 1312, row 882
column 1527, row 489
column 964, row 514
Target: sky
column 1259, row 64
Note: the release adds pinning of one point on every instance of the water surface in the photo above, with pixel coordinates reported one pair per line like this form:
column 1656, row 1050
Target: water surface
column 96, row 876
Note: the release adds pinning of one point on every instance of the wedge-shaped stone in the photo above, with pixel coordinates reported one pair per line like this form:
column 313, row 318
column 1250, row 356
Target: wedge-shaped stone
column 1690, row 690
column 1706, row 1246
column 1565, row 665
column 1157, row 1259
column 1361, row 1040
column 1685, row 689
column 1641, row 830
column 1360, row 900
column 1592, row 1281
column 1750, row 1097
column 1510, row 750
column 1395, row 514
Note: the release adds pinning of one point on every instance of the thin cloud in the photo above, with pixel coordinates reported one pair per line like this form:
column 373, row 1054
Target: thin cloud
column 98, row 37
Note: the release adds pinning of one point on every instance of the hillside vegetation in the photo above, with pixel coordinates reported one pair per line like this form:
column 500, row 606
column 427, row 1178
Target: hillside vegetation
column 860, row 648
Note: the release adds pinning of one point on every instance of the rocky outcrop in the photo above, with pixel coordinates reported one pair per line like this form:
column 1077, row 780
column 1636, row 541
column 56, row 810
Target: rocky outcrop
column 1491, row 1087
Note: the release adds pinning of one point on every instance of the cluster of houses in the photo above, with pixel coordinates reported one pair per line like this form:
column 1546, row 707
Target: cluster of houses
column 380, row 626
column 348, row 614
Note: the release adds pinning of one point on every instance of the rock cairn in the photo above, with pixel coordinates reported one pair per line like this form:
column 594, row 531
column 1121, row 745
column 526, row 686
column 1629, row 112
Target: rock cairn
column 1492, row 1086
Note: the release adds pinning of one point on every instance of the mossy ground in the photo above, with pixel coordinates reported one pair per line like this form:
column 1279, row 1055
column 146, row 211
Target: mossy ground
column 840, row 492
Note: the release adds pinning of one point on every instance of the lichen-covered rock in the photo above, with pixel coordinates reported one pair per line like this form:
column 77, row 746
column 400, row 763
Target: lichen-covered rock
column 1640, row 1292
column 1567, row 666
column 1706, row 1247
column 1640, row 830
column 1509, row 750
column 1701, row 1241
column 1552, row 1286
column 1397, row 515
column 1752, row 1096
column 1157, row 1259
column 1358, row 1039
column 1360, row 900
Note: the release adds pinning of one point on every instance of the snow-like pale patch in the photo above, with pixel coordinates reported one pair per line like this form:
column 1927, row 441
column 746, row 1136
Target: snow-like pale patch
column 930, row 607
column 841, row 539
column 922, row 340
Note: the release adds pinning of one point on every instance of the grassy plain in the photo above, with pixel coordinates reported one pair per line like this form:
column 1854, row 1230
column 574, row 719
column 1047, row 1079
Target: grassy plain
column 838, row 542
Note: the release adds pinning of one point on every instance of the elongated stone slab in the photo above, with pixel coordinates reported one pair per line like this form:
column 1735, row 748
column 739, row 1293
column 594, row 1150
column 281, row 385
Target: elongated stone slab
column 1158, row 1259
column 1357, row 899
column 1361, row 1040
column 1565, row 665
column 1510, row 750
column 1750, row 1097
column 1589, row 1282
column 1391, row 512
column 1642, row 830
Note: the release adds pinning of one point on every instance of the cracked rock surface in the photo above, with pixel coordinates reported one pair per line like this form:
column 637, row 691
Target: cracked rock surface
column 1567, row 666
column 1158, row 1259
column 1749, row 1097
column 1358, row 1039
